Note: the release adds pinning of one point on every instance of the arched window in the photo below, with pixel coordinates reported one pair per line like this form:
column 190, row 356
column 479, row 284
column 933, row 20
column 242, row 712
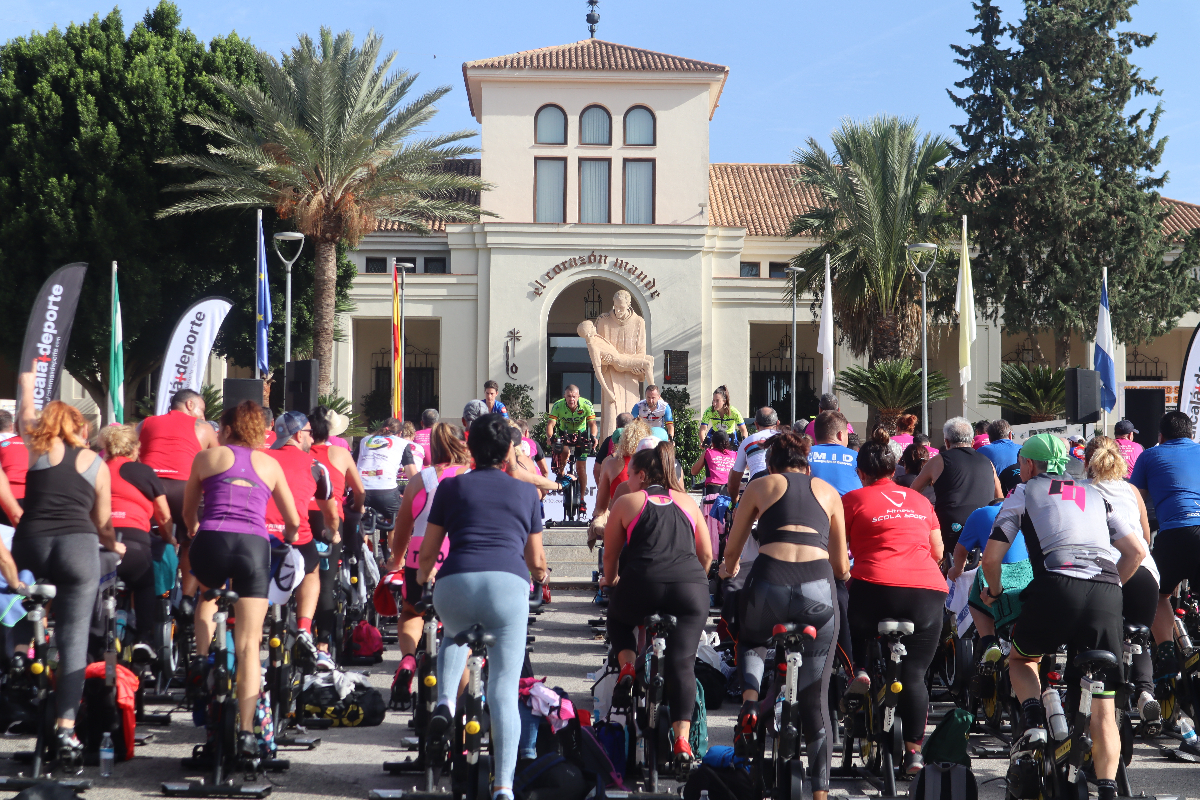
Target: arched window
column 550, row 126
column 595, row 126
column 639, row 126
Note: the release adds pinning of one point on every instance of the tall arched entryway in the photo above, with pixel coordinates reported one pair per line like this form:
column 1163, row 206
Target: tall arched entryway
column 567, row 359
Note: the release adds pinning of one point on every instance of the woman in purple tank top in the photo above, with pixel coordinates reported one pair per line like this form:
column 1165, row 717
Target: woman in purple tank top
column 231, row 542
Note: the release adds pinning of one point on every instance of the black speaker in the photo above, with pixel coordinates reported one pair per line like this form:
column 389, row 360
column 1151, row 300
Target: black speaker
column 235, row 390
column 1083, row 396
column 300, row 385
column 1145, row 409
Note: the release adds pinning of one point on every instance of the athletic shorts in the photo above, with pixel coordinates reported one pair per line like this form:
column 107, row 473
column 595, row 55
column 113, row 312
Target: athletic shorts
column 1177, row 554
column 387, row 503
column 316, row 521
column 412, row 589
column 174, row 492
column 581, row 442
column 1058, row 610
column 244, row 559
column 312, row 557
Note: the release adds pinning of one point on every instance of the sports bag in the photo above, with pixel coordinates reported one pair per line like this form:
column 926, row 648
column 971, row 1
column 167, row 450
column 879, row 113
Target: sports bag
column 713, row 682
column 698, row 738
column 109, row 709
column 361, row 706
column 366, row 644
column 721, row 783
column 948, row 742
column 550, row 777
column 943, row 781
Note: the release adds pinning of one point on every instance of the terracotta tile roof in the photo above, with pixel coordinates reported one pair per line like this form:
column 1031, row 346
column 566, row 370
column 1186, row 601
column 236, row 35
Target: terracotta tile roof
column 763, row 199
column 595, row 54
column 461, row 166
column 1184, row 217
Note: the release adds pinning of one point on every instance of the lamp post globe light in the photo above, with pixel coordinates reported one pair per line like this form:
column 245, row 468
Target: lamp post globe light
column 794, row 276
column 288, row 236
column 914, row 253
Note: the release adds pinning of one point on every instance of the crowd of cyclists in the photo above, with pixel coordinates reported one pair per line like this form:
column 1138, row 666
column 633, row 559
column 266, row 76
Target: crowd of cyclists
column 819, row 533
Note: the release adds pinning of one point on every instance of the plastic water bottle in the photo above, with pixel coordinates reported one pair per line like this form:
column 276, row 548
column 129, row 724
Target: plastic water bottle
column 106, row 755
column 1188, row 731
column 704, row 794
column 1054, row 714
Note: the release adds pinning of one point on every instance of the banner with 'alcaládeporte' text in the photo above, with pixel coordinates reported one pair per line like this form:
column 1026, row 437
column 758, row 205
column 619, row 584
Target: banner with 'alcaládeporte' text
column 187, row 354
column 49, row 332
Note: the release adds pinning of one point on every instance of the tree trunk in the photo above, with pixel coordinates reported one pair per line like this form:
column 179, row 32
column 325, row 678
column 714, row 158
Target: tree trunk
column 324, row 286
column 888, row 417
column 885, row 338
column 1062, row 350
column 96, row 389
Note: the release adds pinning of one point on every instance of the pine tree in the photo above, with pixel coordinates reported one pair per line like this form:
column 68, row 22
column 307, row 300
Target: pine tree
column 1066, row 183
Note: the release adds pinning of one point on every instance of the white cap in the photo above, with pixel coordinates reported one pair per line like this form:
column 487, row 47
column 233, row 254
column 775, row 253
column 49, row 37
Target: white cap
column 648, row 443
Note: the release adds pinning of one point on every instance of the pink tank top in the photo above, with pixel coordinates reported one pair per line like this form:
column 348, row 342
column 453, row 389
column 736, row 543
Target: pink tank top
column 422, row 502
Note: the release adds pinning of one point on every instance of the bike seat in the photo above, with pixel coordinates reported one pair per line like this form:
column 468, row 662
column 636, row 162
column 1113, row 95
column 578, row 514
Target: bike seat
column 475, row 637
column 42, row 591
column 785, row 631
column 221, row 594
column 1095, row 659
column 1136, row 631
column 904, row 627
column 661, row 622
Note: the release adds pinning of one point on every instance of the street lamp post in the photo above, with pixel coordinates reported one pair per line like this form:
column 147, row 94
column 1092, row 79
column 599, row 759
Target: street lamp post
column 794, row 274
column 918, row 250
column 288, row 236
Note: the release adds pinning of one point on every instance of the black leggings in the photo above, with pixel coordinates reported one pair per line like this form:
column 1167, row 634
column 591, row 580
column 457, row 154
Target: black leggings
column 1139, row 602
column 70, row 561
column 173, row 489
column 803, row 593
column 325, row 619
column 137, row 571
column 636, row 597
column 871, row 602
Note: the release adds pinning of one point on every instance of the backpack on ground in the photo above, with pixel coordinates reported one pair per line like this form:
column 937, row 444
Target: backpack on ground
column 713, row 682
column 944, row 781
column 361, row 706
column 948, row 742
column 108, row 709
column 698, row 738
column 550, row 777
column 365, row 645
column 721, row 783
column 615, row 741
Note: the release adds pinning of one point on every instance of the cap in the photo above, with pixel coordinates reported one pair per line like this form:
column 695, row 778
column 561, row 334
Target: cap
column 1074, row 437
column 1124, row 428
column 287, row 425
column 337, row 422
column 647, row 443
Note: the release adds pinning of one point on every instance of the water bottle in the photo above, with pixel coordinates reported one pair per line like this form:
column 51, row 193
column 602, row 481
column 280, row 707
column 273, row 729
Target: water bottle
column 704, row 794
column 1182, row 640
column 106, row 755
column 1054, row 714
column 779, row 711
column 1188, row 731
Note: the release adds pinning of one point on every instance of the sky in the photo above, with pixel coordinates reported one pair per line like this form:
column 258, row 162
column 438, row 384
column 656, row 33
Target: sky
column 795, row 68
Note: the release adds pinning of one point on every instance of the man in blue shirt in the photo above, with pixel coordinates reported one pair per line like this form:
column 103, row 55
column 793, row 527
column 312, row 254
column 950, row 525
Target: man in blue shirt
column 1002, row 452
column 830, row 459
column 1169, row 477
column 491, row 391
column 655, row 411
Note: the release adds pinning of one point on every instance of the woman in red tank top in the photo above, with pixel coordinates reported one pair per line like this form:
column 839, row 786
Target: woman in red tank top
column 137, row 497
column 14, row 461
column 615, row 471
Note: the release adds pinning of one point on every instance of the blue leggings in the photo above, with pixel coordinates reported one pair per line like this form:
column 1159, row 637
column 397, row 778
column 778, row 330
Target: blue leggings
column 500, row 602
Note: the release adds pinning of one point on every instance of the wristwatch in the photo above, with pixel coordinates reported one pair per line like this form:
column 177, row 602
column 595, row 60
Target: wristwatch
column 994, row 596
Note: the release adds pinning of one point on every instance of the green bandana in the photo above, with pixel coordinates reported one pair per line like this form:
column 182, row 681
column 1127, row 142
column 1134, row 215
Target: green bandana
column 1047, row 448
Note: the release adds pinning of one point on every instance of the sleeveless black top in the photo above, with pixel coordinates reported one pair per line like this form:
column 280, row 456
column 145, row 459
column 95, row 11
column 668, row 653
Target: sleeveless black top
column 798, row 506
column 966, row 483
column 58, row 499
column 660, row 544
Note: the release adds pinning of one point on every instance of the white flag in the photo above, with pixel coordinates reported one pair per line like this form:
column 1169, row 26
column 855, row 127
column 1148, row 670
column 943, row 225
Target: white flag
column 825, row 335
column 966, row 311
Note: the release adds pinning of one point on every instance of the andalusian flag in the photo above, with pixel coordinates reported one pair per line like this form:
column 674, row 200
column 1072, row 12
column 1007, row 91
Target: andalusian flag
column 397, row 348
column 116, row 357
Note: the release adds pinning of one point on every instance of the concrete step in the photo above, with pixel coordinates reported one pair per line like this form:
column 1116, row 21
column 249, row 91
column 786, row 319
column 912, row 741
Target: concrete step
column 552, row 537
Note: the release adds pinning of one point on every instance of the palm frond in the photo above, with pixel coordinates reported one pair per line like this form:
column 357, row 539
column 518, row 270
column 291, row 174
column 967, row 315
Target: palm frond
column 1039, row 391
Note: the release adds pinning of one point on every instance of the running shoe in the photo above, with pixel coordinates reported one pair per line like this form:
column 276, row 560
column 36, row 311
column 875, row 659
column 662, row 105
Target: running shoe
column 861, row 683
column 991, row 658
column 402, row 682
column 1149, row 709
column 623, row 693
column 743, row 737
column 142, row 653
column 70, row 751
column 248, row 749
column 439, row 727
column 1027, row 743
column 325, row 662
column 913, row 763
column 305, row 645
column 683, row 755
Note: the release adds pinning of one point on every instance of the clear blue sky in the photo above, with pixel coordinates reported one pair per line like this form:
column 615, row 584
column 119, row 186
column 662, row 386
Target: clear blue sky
column 796, row 68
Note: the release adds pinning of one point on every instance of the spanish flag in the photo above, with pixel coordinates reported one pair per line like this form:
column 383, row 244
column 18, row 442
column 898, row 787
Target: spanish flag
column 397, row 349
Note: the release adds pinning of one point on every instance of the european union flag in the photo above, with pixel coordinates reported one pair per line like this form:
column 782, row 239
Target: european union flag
column 263, row 312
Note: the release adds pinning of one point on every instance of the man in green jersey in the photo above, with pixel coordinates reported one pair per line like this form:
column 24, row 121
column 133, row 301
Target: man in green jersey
column 575, row 420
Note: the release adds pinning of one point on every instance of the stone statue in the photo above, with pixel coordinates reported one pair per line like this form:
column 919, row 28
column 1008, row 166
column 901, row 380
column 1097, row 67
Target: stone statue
column 617, row 347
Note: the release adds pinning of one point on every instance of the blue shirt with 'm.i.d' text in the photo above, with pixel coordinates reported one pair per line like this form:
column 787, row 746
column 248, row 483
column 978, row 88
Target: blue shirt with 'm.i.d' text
column 1170, row 472
column 835, row 465
column 1002, row 453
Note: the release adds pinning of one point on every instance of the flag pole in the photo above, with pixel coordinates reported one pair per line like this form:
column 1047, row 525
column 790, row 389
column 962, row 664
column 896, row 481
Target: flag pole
column 112, row 305
column 1103, row 410
column 967, row 382
column 257, row 290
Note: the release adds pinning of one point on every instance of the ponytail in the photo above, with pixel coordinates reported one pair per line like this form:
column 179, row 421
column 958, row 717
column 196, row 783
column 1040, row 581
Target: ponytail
column 658, row 465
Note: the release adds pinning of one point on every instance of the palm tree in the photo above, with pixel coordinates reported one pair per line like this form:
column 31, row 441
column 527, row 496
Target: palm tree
column 330, row 146
column 1039, row 391
column 891, row 385
column 882, row 188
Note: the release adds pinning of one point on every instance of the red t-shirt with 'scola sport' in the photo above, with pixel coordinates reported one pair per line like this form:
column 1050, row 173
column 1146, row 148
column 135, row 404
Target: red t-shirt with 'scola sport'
column 887, row 529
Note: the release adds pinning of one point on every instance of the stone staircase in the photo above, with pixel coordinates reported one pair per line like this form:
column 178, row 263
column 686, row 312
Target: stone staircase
column 568, row 556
